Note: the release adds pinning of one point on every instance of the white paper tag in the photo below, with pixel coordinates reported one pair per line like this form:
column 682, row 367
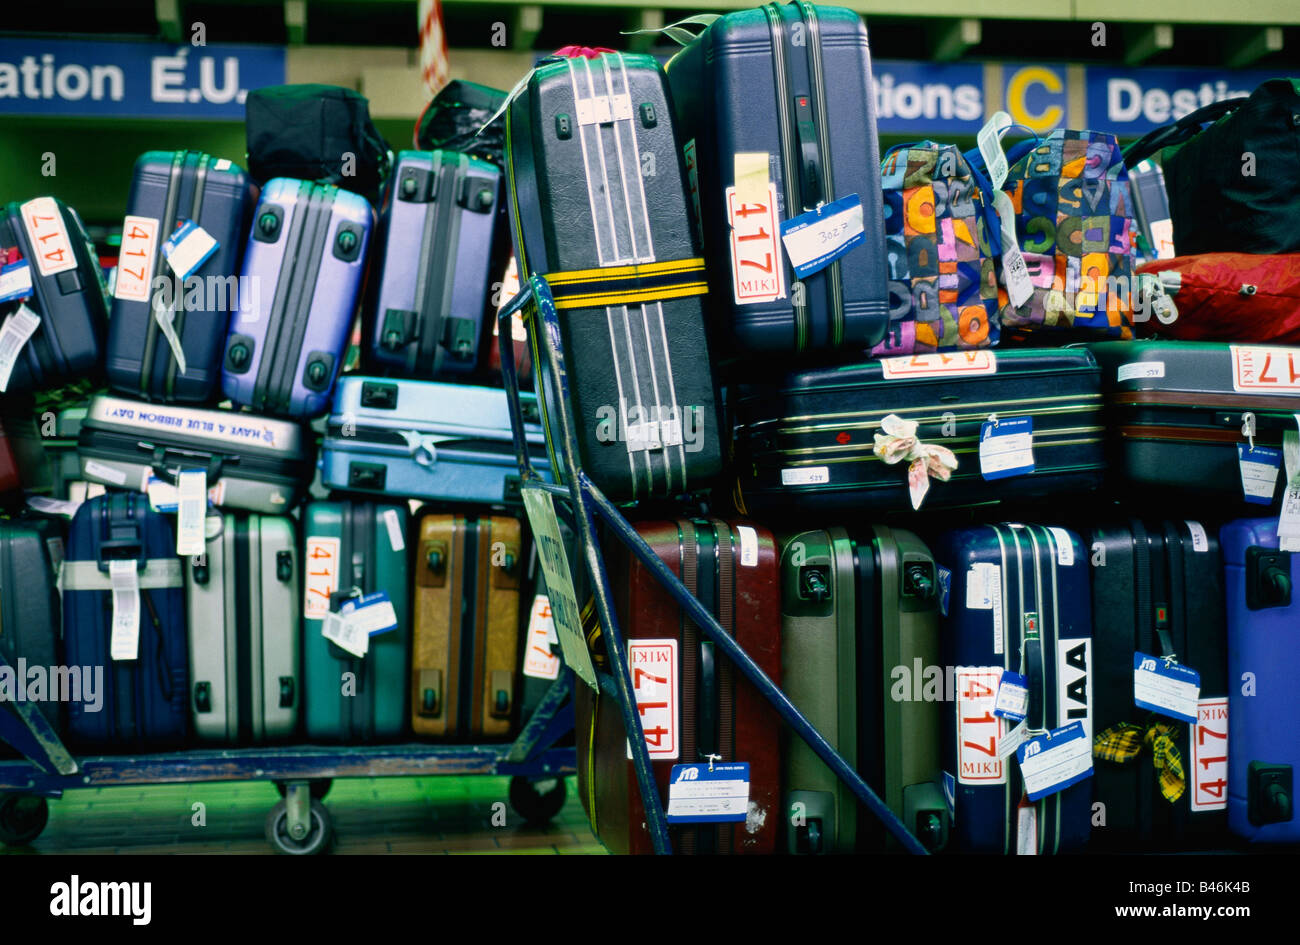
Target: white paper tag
column 805, row 476
column 53, row 506
column 1259, row 470
column 1013, row 697
column 979, row 585
column 165, row 316
column 748, row 546
column 1162, row 236
column 1064, row 547
column 188, row 248
column 1014, row 271
column 1052, row 762
column 995, row 593
column 393, row 524
column 17, row 328
column 1288, row 522
column 124, row 643
column 322, row 578
column 701, row 793
column 1007, row 448
column 1013, row 739
column 372, row 613
column 48, row 236
column 1026, row 829
column 1209, row 739
column 1142, row 369
column 16, row 281
column 54, row 545
column 135, row 259
column 539, row 661
column 349, row 636
column 751, row 175
column 978, row 729
column 1200, row 541
column 989, row 139
column 110, row 474
column 1168, row 688
column 757, row 266
column 191, row 510
column 944, row 364
column 653, row 665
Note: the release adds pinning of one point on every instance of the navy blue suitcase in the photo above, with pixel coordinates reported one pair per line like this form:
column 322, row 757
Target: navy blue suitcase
column 145, row 701
column 429, row 301
column 1032, row 578
column 29, row 604
column 1263, row 698
column 168, row 188
column 792, row 82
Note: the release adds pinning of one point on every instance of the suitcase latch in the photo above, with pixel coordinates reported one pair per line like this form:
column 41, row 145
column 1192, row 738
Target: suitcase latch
column 202, row 697
column 502, row 685
column 431, row 692
column 286, row 692
column 1268, row 578
column 283, row 566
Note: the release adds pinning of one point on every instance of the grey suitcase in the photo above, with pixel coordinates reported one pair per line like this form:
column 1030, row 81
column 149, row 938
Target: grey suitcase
column 244, row 606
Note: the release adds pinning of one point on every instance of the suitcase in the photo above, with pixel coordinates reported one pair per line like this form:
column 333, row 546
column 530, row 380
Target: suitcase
column 254, row 463
column 1150, row 578
column 429, row 301
column 609, row 235
column 30, row 622
column 1176, row 411
column 1029, row 576
column 306, row 255
column 244, row 604
column 146, row 699
column 351, row 548
column 10, row 480
column 168, row 189
column 59, row 432
column 1151, row 209
column 792, row 82
column 732, row 569
column 858, row 612
column 426, row 440
column 467, row 579
column 1263, row 701
column 809, row 437
column 67, row 294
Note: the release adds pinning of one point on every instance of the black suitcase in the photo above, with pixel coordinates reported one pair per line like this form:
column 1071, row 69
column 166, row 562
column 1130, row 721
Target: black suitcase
column 793, row 82
column 29, row 608
column 617, row 246
column 1154, row 579
column 170, row 187
column 67, row 294
column 808, row 438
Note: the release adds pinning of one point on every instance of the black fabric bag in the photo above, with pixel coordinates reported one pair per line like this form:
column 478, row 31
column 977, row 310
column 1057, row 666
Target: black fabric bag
column 451, row 122
column 1233, row 186
column 308, row 131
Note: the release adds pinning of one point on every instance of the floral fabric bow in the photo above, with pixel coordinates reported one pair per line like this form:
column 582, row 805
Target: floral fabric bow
column 899, row 443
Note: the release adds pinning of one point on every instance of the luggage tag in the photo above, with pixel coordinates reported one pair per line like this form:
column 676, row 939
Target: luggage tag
column 50, row 506
column 191, row 512
column 1026, row 828
column 1165, row 686
column 348, row 636
column 1259, row 466
column 815, row 239
column 1014, row 271
column 1288, row 522
column 188, row 248
column 124, row 643
column 371, row 614
column 708, row 794
column 164, row 313
column 1012, row 740
column 1006, row 447
column 16, row 281
column 1012, row 702
column 540, row 662
column 1054, row 760
column 393, row 524
column 17, row 328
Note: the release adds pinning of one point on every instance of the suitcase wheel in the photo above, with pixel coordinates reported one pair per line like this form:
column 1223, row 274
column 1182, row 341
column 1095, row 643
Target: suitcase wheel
column 537, row 800
column 315, row 838
column 22, row 818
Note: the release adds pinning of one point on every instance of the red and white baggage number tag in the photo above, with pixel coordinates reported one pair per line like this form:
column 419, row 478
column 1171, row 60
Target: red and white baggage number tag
column 51, row 248
column 957, row 364
column 653, row 665
column 135, row 259
column 1210, row 755
column 978, row 729
column 1256, row 368
column 757, row 266
column 539, row 661
column 322, row 561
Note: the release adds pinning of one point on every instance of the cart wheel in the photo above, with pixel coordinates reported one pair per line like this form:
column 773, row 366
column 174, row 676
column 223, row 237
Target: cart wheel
column 537, row 800
column 319, row 788
column 317, row 839
column 22, row 818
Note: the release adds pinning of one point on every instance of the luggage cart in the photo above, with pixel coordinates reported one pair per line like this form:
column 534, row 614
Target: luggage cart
column 587, row 502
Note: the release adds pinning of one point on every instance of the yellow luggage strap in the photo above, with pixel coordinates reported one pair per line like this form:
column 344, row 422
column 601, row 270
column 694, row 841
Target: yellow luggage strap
column 628, row 285
column 1123, row 743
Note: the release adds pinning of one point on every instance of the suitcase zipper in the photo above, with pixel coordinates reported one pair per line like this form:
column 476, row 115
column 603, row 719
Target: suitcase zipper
column 165, row 228
column 466, row 723
column 178, row 320
column 244, row 563
column 726, row 610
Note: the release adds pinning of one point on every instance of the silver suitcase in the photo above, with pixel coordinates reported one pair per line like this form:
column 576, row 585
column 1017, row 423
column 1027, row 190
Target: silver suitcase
column 244, row 608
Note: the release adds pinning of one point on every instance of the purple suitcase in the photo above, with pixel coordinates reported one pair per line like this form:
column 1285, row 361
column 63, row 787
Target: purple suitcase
column 306, row 257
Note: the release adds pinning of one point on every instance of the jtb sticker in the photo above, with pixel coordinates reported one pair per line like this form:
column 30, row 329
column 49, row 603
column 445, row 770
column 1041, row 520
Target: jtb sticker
column 705, row 794
column 815, row 239
column 1054, row 761
column 1168, row 688
column 1007, row 448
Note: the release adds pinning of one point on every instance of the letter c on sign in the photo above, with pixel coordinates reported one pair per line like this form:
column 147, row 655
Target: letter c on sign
column 1017, row 88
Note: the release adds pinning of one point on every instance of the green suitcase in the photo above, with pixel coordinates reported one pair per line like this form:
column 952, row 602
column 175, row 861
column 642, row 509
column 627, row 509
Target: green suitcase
column 352, row 548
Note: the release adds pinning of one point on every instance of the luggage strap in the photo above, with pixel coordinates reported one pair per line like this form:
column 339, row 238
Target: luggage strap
column 628, row 285
column 158, row 574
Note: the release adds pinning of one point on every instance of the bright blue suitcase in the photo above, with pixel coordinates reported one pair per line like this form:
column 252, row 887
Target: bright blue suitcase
column 426, row 440
column 1264, row 706
column 1035, row 576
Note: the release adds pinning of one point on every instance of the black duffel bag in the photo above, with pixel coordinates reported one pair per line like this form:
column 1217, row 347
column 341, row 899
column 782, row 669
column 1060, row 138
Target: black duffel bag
column 458, row 120
column 1234, row 186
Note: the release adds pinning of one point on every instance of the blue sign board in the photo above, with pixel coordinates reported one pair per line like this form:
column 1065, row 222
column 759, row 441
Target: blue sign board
column 1134, row 101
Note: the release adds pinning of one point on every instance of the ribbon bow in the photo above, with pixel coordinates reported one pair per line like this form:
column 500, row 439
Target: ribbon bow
column 1123, row 743
column 899, row 443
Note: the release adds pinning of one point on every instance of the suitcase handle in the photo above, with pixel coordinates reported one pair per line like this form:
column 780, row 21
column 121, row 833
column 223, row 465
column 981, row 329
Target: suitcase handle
column 159, row 462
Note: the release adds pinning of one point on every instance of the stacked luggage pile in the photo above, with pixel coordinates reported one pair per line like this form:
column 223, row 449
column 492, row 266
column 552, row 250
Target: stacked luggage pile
column 1003, row 495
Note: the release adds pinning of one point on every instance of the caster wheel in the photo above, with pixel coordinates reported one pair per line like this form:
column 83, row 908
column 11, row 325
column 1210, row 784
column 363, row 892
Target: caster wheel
column 22, row 818
column 319, row 788
column 537, row 800
column 318, row 834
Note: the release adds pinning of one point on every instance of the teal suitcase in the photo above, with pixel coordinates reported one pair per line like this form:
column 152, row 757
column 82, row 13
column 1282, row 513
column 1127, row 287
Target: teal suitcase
column 352, row 548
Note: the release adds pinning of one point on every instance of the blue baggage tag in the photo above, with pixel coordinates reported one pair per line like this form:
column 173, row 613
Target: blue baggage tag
column 16, row 281
column 371, row 613
column 1012, row 701
column 945, row 589
column 708, row 794
column 188, row 248
column 1168, row 688
column 1260, row 466
column 1053, row 761
column 1007, row 447
column 815, row 239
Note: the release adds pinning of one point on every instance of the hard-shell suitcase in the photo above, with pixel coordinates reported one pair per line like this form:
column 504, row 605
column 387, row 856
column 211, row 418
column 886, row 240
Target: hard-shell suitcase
column 146, row 699
column 426, row 440
column 429, row 298
column 30, row 622
column 859, row 615
column 254, row 463
column 465, row 643
column 169, row 189
column 808, row 438
column 1263, row 749
column 306, row 255
column 1178, row 410
column 1157, row 588
column 617, row 246
column 1151, row 209
column 67, row 294
column 352, row 549
column 790, row 83
column 57, row 432
column 712, row 710
column 1018, row 600
column 244, row 604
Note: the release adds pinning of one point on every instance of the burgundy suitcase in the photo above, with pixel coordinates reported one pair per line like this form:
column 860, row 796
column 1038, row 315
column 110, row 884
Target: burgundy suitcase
column 9, row 480
column 711, row 709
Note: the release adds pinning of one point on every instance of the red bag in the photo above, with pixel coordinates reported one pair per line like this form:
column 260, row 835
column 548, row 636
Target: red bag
column 1227, row 297
column 9, row 480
